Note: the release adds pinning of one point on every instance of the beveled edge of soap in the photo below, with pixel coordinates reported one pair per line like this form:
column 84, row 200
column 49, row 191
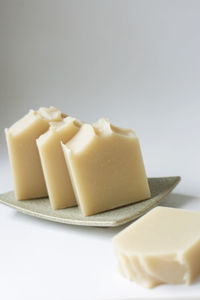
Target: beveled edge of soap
column 160, row 187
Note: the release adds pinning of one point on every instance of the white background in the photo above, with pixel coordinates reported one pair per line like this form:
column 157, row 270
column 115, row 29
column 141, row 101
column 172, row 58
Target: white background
column 135, row 62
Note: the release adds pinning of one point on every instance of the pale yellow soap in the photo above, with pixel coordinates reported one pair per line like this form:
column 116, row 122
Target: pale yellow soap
column 161, row 247
column 106, row 167
column 23, row 153
column 55, row 169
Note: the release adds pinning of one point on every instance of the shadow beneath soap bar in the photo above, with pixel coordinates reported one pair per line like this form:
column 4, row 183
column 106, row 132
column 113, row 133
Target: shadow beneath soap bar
column 178, row 200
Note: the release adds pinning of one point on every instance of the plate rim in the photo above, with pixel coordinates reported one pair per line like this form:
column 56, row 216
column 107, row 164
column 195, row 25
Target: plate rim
column 98, row 223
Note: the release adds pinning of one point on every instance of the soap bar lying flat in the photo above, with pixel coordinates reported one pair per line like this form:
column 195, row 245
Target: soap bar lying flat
column 161, row 247
column 55, row 170
column 23, row 153
column 106, row 167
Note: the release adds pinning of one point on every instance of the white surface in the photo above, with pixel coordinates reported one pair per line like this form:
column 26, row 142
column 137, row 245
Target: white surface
column 46, row 260
column 136, row 62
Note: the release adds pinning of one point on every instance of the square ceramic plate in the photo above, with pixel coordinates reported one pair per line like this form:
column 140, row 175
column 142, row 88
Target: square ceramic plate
column 160, row 188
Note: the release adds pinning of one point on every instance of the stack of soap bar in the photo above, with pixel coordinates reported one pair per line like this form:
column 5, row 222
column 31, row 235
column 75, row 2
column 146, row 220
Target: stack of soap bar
column 161, row 247
column 55, row 170
column 23, row 153
column 106, row 167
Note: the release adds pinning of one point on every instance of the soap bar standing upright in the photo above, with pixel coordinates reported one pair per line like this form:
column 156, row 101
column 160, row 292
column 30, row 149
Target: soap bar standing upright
column 23, row 153
column 106, row 167
column 55, row 169
column 163, row 246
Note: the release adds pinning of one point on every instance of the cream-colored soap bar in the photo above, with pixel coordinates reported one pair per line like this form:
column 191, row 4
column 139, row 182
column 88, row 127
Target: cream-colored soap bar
column 161, row 247
column 106, row 167
column 23, row 153
column 55, row 170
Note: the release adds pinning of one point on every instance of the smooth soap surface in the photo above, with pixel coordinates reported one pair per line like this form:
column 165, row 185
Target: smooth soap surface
column 25, row 162
column 163, row 246
column 106, row 167
column 55, row 169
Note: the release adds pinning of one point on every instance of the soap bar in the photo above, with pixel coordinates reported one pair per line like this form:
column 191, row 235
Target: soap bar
column 23, row 153
column 163, row 246
column 55, row 169
column 106, row 167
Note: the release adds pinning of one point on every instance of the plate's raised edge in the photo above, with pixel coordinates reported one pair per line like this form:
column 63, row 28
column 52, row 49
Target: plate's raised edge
column 57, row 219
column 92, row 222
column 177, row 179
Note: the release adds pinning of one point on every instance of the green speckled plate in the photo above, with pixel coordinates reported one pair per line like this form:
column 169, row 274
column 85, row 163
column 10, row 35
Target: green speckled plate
column 160, row 188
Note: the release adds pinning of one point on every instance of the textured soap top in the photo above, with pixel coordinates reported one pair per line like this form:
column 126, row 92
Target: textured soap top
column 50, row 114
column 99, row 130
column 47, row 114
column 66, row 128
column 103, row 127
